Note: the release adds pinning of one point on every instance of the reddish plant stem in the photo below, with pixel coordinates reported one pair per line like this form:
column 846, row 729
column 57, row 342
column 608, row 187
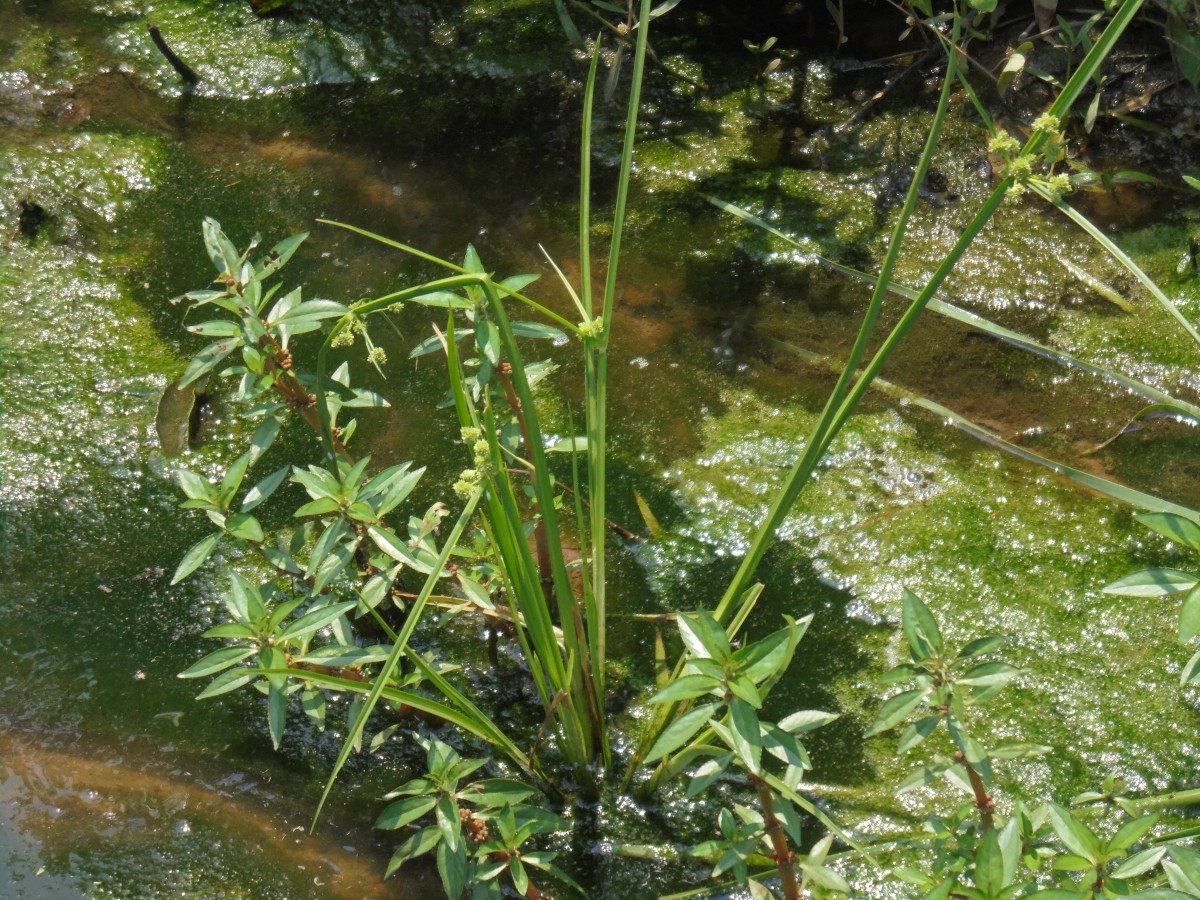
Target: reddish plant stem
column 983, row 801
column 783, row 854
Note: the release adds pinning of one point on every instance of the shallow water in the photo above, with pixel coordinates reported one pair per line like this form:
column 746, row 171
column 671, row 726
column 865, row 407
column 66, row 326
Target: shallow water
column 117, row 783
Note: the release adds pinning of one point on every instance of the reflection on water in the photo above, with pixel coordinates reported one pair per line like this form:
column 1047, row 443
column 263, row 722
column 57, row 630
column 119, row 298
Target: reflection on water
column 113, row 825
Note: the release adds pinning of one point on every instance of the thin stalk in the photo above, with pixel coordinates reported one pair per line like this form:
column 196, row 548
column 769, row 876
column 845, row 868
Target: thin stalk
column 830, row 420
column 596, row 375
column 631, row 119
column 585, row 185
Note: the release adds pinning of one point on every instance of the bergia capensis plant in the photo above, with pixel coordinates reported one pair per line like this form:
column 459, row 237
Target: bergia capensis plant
column 358, row 555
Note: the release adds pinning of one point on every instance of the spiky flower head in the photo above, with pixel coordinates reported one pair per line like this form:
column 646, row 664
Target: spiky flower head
column 1048, row 123
column 1003, row 144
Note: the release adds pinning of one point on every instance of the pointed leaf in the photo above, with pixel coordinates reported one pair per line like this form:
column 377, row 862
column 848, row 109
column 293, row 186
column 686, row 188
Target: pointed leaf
column 920, row 628
column 1178, row 529
column 192, row 560
column 1154, row 582
column 747, row 740
column 217, row 661
column 681, row 731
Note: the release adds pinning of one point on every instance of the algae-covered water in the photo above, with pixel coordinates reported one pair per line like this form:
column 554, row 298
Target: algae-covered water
column 447, row 123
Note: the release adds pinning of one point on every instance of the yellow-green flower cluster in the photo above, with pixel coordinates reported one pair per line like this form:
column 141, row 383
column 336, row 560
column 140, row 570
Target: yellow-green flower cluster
column 468, row 480
column 1004, row 144
column 1018, row 168
column 593, row 328
column 376, row 356
column 344, row 338
column 1048, row 123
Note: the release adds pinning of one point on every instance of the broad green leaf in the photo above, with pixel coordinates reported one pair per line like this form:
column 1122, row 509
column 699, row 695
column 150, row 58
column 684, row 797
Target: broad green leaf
column 784, row 747
column 744, row 688
column 989, row 675
column 334, row 532
column 1191, row 672
column 1079, row 839
column 433, row 344
column 443, row 300
column 220, row 249
column 317, row 482
column 474, row 591
column 319, row 507
column 232, row 480
column 229, row 680
column 920, row 628
column 702, row 636
column 217, row 328
column 1176, row 528
column 282, row 611
column 192, row 560
column 1131, row 832
column 273, row 658
column 264, row 437
column 827, row 878
column 312, row 701
column 345, row 655
column 1188, row 863
column 338, row 559
column 233, row 630
column 487, row 339
column 396, row 492
column 403, row 812
column 245, row 601
column 707, row 773
column 195, row 486
column 311, row 311
column 681, row 731
column 896, row 709
column 518, row 283
column 538, row 330
column 747, row 739
column 417, row 845
column 918, row 731
column 316, row 619
column 277, row 700
column 1153, row 583
column 981, row 645
column 452, row 863
column 762, row 659
column 278, row 255
column 686, row 688
column 519, row 878
column 498, row 792
column 1189, row 616
column 217, row 661
column 264, row 489
column 208, row 359
column 806, row 720
column 244, row 527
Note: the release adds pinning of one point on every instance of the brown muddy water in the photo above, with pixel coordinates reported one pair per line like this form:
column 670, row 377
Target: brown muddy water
column 117, row 783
